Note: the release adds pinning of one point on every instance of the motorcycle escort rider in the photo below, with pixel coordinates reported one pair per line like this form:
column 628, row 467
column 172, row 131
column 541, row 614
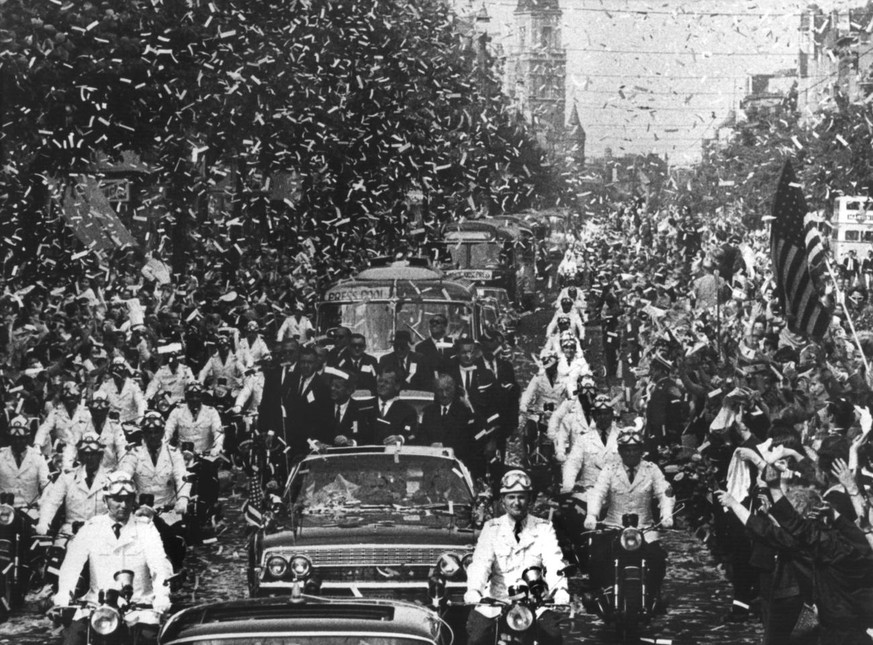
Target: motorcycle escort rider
column 126, row 399
column 79, row 490
column 23, row 470
column 172, row 378
column 591, row 451
column 158, row 469
column 110, row 432
column 541, row 397
column 65, row 424
column 195, row 422
column 111, row 542
column 506, row 547
column 629, row 486
column 570, row 421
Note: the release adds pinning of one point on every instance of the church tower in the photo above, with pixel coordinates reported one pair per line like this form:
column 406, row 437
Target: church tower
column 536, row 68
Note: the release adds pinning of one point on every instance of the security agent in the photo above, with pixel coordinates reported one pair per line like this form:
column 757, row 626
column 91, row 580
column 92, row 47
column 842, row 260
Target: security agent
column 506, row 547
column 112, row 542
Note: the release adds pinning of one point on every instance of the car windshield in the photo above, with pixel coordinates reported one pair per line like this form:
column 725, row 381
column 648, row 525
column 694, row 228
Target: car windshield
column 477, row 255
column 357, row 481
column 321, row 639
column 378, row 320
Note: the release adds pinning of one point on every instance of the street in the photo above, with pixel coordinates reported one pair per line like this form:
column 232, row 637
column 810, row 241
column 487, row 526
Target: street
column 698, row 594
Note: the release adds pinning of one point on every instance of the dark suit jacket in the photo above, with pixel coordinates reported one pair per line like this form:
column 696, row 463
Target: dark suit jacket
column 482, row 394
column 508, row 392
column 416, row 377
column 456, row 431
column 437, row 360
column 365, row 372
column 401, row 419
column 356, row 423
column 270, row 415
column 306, row 414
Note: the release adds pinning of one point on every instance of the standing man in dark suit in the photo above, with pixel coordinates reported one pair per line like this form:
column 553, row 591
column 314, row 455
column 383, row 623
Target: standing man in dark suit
column 477, row 388
column 306, row 400
column 437, row 350
column 448, row 422
column 271, row 414
column 508, row 391
column 408, row 365
column 357, row 361
column 852, row 268
column 341, row 338
column 351, row 421
column 396, row 421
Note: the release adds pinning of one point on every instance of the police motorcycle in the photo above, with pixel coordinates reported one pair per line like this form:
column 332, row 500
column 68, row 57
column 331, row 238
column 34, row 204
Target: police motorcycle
column 19, row 560
column 628, row 603
column 518, row 615
column 113, row 619
column 204, row 509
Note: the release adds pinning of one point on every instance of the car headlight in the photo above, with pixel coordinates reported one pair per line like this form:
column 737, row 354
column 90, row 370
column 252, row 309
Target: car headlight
column 300, row 566
column 449, row 564
column 631, row 539
column 7, row 514
column 277, row 566
column 105, row 620
column 519, row 618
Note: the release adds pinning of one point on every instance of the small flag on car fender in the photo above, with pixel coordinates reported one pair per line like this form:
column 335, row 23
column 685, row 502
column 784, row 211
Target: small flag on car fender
column 253, row 516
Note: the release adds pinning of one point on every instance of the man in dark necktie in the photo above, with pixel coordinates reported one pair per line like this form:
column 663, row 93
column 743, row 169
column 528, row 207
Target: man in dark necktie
column 397, row 421
column 359, row 363
column 410, row 366
column 352, row 420
column 448, row 422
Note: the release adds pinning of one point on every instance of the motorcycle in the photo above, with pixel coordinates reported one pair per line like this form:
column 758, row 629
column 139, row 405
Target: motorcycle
column 113, row 619
column 567, row 514
column 518, row 617
column 628, row 603
column 539, row 451
column 204, row 509
column 19, row 560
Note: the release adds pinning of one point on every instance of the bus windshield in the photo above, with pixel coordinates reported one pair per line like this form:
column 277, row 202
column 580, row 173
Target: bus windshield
column 377, row 320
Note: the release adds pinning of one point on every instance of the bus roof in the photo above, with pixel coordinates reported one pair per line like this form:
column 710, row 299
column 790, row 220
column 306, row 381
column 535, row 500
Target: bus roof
column 379, row 284
column 496, row 228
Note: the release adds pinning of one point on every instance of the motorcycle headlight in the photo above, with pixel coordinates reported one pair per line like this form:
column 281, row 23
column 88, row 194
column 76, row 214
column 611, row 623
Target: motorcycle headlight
column 277, row 566
column 631, row 539
column 519, row 618
column 105, row 620
column 449, row 564
column 300, row 566
column 7, row 514
column 466, row 561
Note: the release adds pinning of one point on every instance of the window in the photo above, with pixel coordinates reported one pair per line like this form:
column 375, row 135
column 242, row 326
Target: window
column 522, row 32
column 547, row 37
column 852, row 236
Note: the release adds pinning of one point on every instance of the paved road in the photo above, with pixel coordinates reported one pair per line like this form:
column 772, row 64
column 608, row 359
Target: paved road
column 697, row 591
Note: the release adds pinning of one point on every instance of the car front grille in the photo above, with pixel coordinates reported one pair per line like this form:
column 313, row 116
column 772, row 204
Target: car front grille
column 410, row 555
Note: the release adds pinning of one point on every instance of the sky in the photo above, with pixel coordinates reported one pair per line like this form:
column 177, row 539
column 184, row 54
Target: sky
column 658, row 76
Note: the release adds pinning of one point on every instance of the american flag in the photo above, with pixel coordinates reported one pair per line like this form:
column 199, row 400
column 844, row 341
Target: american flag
column 252, row 507
column 793, row 247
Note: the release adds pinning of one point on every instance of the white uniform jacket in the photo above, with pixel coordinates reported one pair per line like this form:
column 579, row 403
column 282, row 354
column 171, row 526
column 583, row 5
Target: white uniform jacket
column 204, row 431
column 114, row 442
column 614, row 490
column 80, row 502
column 173, row 383
column 26, row 481
column 571, row 371
column 293, row 328
column 567, row 424
column 61, row 426
column 499, row 560
column 250, row 353
column 588, row 456
column 540, row 391
column 229, row 369
column 128, row 402
column 164, row 479
column 576, row 324
column 138, row 548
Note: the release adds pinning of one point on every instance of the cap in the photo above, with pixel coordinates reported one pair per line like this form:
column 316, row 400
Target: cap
column 567, row 338
column 19, row 427
column 602, row 402
column 194, row 387
column 630, row 436
column 99, row 399
column 515, row 481
column 119, row 484
column 70, row 390
column 548, row 358
column 152, row 420
column 89, row 443
column 253, row 325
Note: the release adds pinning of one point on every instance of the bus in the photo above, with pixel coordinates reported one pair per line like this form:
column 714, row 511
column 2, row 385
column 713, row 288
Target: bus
column 382, row 300
column 852, row 227
column 490, row 252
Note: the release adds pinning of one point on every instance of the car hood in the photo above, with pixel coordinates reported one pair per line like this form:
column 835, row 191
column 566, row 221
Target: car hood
column 308, row 534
